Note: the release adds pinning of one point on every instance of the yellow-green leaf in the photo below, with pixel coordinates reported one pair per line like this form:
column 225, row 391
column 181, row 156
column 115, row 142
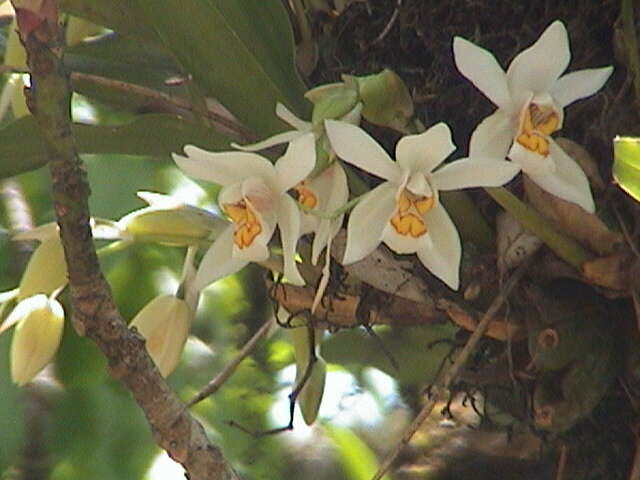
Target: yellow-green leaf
column 626, row 165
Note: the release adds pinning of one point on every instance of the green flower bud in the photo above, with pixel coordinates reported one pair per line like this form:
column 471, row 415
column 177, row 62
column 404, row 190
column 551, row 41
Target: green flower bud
column 386, row 100
column 332, row 101
column 310, row 396
column 171, row 221
column 40, row 321
column 164, row 322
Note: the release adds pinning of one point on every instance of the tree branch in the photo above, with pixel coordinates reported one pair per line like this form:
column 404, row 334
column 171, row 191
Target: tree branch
column 94, row 311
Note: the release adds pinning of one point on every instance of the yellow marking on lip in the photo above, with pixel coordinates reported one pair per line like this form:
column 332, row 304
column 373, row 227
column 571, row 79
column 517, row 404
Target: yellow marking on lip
column 305, row 196
column 537, row 123
column 407, row 220
column 247, row 226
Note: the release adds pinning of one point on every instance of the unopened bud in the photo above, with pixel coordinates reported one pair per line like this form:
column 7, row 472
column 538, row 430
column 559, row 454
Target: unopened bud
column 171, row 221
column 310, row 396
column 40, row 321
column 386, row 100
column 164, row 323
column 46, row 271
column 332, row 101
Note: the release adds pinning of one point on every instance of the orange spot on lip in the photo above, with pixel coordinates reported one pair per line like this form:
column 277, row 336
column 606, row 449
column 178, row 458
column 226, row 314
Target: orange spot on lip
column 537, row 123
column 247, row 226
column 408, row 220
column 305, row 196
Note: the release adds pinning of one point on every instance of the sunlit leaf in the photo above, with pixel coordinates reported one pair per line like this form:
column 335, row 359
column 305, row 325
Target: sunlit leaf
column 156, row 135
column 356, row 458
column 240, row 52
column 626, row 164
column 124, row 58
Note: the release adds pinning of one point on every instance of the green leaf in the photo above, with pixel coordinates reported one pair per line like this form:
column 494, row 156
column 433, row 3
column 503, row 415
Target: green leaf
column 238, row 51
column 626, row 165
column 357, row 460
column 156, row 135
column 115, row 14
column 126, row 59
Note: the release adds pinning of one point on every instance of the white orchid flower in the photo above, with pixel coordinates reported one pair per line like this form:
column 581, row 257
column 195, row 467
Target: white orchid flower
column 301, row 127
column 255, row 198
column 404, row 212
column 324, row 193
column 530, row 98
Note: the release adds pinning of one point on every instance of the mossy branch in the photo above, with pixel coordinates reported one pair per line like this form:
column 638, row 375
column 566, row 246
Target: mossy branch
column 94, row 311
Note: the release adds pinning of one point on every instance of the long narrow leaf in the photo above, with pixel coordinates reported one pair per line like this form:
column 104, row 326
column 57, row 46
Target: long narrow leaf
column 156, row 135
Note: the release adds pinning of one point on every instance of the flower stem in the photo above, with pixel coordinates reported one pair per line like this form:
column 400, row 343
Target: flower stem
column 566, row 248
column 470, row 222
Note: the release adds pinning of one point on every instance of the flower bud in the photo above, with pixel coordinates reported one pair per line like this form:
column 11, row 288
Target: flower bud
column 386, row 100
column 37, row 336
column 172, row 220
column 310, row 396
column 164, row 322
column 332, row 101
column 46, row 271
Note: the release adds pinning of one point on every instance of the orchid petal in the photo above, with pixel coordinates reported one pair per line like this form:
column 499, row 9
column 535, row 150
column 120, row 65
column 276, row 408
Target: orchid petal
column 262, row 199
column 539, row 66
column 418, row 184
column 277, row 139
column 569, row 181
column 230, row 194
column 297, row 162
column 493, row 136
column 475, row 172
column 289, row 224
column 483, row 70
column 223, row 168
column 218, row 262
column 367, row 222
column 336, row 194
column 532, row 163
column 580, row 84
column 288, row 116
column 356, row 147
column 425, row 151
column 442, row 256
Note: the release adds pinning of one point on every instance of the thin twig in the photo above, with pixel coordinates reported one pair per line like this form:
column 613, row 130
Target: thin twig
column 219, row 122
column 390, row 24
column 448, row 375
column 562, row 462
column 213, row 386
